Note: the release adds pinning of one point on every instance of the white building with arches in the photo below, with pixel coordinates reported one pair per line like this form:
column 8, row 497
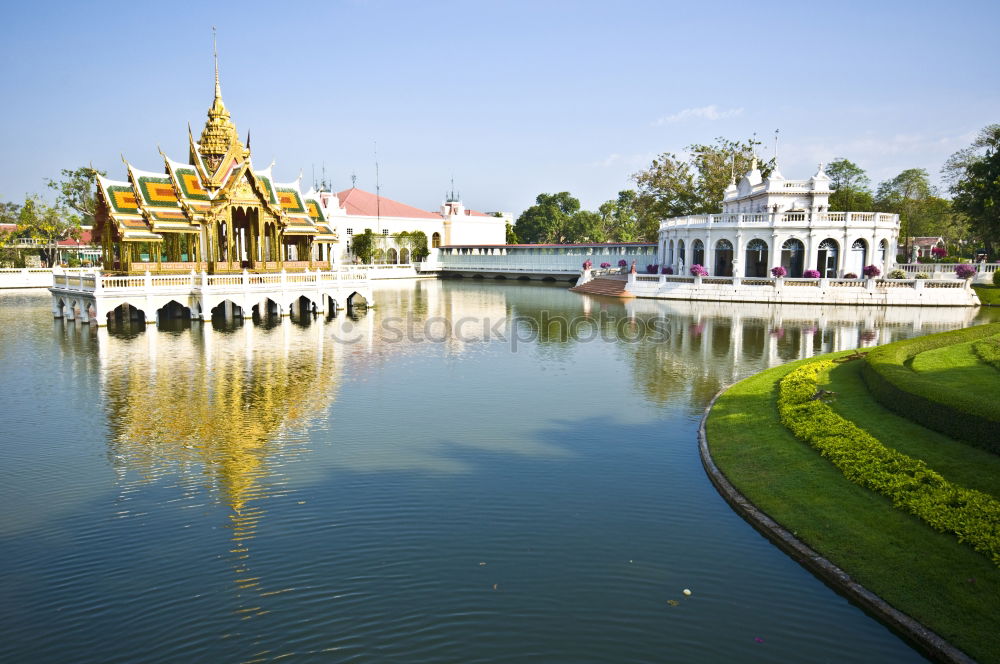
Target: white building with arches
column 771, row 222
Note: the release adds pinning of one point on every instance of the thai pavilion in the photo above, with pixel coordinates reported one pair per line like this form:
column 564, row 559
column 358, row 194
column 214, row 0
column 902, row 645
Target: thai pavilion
column 215, row 213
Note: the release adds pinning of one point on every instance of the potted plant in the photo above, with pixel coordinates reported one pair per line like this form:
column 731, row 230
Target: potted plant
column 871, row 271
column 698, row 271
column 965, row 271
column 667, row 269
column 811, row 274
column 778, row 272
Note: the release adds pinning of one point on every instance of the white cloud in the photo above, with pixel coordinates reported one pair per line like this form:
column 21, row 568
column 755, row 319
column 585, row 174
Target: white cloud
column 710, row 112
column 637, row 160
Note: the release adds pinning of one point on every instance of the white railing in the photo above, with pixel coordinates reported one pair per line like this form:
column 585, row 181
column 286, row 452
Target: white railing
column 823, row 283
column 94, row 282
column 774, row 218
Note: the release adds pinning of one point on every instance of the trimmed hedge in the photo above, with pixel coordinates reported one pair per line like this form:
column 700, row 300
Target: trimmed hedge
column 971, row 415
column 988, row 350
column 973, row 516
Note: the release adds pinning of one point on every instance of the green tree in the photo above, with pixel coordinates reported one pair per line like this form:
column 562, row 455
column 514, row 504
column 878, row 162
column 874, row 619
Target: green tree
column 77, row 191
column 852, row 187
column 674, row 186
column 418, row 246
column 46, row 223
column 363, row 246
column 623, row 222
column 974, row 178
column 549, row 219
column 908, row 195
column 585, row 227
column 511, row 237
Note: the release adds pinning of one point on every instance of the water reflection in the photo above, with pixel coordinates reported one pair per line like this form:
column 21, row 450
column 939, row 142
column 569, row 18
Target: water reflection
column 200, row 410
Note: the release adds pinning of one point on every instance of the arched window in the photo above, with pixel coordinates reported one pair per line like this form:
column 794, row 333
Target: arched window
column 680, row 254
column 697, row 253
column 670, row 254
column 436, row 240
column 859, row 257
column 756, row 258
column 826, row 259
column 793, row 255
column 723, row 259
column 883, row 249
column 404, row 256
column 391, row 256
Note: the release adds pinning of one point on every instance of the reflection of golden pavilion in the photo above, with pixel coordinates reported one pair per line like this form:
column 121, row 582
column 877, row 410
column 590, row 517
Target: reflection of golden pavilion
column 216, row 415
column 215, row 213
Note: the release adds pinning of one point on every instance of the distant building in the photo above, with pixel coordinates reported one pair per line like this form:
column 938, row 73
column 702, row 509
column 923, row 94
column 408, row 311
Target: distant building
column 352, row 211
column 921, row 247
column 773, row 222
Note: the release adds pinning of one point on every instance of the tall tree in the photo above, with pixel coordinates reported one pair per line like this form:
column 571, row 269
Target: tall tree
column 363, row 246
column 974, row 177
column 621, row 219
column 548, row 220
column 907, row 195
column 852, row 187
column 675, row 186
column 46, row 223
column 76, row 190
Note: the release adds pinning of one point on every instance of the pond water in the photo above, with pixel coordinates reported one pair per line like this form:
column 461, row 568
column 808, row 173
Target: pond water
column 470, row 472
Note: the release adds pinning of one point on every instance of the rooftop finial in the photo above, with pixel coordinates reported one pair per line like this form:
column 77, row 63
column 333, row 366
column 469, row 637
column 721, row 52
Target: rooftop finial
column 776, row 131
column 732, row 169
column 215, row 52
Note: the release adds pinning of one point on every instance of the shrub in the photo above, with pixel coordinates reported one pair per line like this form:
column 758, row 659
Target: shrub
column 667, row 269
column 811, row 274
column 622, row 263
column 850, row 275
column 961, row 414
column 698, row 271
column 871, row 271
column 897, row 274
column 909, row 483
column 587, row 264
column 939, row 252
column 988, row 350
column 996, row 278
column 965, row 271
column 652, row 269
column 605, row 265
column 922, row 275
column 778, row 272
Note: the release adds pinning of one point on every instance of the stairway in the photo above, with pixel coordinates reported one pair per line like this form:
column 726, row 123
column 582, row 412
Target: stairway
column 609, row 286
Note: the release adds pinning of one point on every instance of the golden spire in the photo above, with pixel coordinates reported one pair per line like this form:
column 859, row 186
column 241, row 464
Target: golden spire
column 219, row 133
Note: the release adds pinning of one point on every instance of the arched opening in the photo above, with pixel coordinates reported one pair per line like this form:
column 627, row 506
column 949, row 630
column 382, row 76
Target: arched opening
column 227, row 310
column 173, row 310
column 404, row 256
column 670, row 253
column 697, row 253
column 858, row 258
column 826, row 259
column 355, row 300
column 436, row 240
column 391, row 257
column 793, row 257
column 723, row 258
column 756, row 258
column 680, row 254
column 883, row 249
column 125, row 314
column 331, row 307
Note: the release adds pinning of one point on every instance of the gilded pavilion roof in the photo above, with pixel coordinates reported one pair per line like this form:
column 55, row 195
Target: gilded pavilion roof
column 219, row 175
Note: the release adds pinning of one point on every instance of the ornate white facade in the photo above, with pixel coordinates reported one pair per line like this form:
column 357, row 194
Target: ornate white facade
column 770, row 222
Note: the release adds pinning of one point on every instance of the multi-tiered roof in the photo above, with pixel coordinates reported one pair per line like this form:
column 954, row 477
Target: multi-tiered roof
column 219, row 173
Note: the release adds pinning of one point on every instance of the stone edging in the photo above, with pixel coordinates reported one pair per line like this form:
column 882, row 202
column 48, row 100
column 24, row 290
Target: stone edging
column 927, row 641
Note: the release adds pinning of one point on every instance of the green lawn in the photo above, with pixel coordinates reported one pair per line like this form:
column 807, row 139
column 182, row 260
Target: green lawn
column 929, row 575
column 957, row 367
column 988, row 295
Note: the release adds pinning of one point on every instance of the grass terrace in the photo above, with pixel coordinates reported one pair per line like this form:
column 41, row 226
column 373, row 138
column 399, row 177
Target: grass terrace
column 910, row 512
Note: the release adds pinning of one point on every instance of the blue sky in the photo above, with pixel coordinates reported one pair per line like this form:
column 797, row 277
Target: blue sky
column 512, row 98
